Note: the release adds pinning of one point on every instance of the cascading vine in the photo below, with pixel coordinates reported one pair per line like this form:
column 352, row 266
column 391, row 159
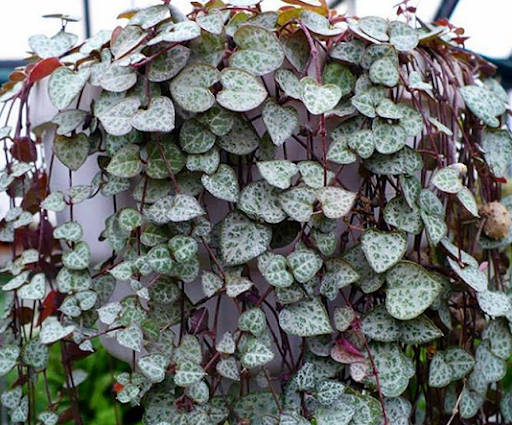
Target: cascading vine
column 341, row 180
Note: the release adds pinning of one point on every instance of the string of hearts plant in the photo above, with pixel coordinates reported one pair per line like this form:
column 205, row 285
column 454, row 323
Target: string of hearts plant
column 339, row 179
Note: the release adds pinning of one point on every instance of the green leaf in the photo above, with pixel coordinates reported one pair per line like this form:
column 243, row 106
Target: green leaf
column 447, row 180
column 349, row 51
column 467, row 199
column 480, row 102
column 419, row 331
column 471, row 275
column 494, row 303
column 497, row 147
column 212, row 22
column 343, row 317
column 278, row 173
column 397, row 213
column 260, row 201
column 188, row 373
column 8, row 358
column 338, row 413
column 305, row 318
column 384, row 71
column 190, row 88
column 153, row 367
column 159, row 259
column 335, row 201
column 305, row 264
column 314, row 175
column 207, row 162
column 79, row 258
column 289, row 82
column 184, row 208
column 162, row 156
column 460, row 362
column 65, row 85
column 55, row 46
column 281, row 121
column 241, row 239
column 195, row 137
column 54, row 202
column 298, row 203
column 117, row 78
column 35, row 290
column 383, row 249
column 72, row 151
column 402, row 36
column 296, row 49
column 319, row 24
column 178, row 32
column 222, row 184
column 259, row 51
column 273, row 269
column 184, row 248
column 253, row 321
column 389, row 138
column 228, row 368
column 375, row 27
column 117, row 120
column 500, row 339
column 341, row 76
column 394, row 368
column 158, row 117
column 317, row 98
column 379, row 325
column 410, row 290
column 131, row 337
column 150, row 16
column 236, row 285
column 339, row 274
column 126, row 162
column 53, row 331
column 166, row 66
column 241, row 92
column 69, row 120
column 256, row 354
column 440, row 372
column 226, row 344
column 242, row 139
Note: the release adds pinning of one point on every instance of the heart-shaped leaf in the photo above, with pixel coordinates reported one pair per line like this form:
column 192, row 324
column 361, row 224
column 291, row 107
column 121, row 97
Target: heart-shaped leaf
column 178, row 32
column 281, row 122
column 273, row 269
column 448, row 180
column 126, row 162
column 223, row 184
column 494, row 303
column 242, row 139
column 166, row 66
column 383, row 249
column 117, row 78
column 54, row 331
column 228, row 368
column 55, row 46
column 195, row 137
column 65, row 85
column 306, row 318
column 241, row 239
column 379, row 325
column 440, row 372
column 72, row 151
column 79, row 258
column 402, row 36
column 212, row 22
column 384, row 71
column 298, row 203
column 388, row 138
column 375, row 26
column 317, row 98
column 69, row 120
column 410, row 290
column 35, row 290
column 8, row 357
column 188, row 373
column 497, row 146
column 191, row 87
column 480, row 102
column 241, row 91
column 278, row 173
column 259, row 51
column 260, row 201
column 117, row 120
column 131, row 337
column 289, row 82
column 319, row 24
column 256, row 354
column 336, row 202
column 159, row 117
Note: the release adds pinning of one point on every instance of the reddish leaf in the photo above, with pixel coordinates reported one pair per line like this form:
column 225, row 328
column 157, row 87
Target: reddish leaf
column 50, row 305
column 118, row 387
column 43, row 68
column 24, row 149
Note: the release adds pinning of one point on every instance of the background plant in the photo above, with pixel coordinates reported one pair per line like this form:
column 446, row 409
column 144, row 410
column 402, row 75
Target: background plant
column 344, row 179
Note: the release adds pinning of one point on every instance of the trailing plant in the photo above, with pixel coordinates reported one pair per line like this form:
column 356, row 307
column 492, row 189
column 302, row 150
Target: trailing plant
column 342, row 179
